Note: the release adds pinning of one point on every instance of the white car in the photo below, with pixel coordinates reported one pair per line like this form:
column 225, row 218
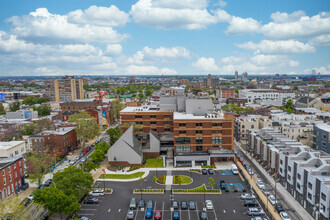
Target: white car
column 97, row 193
column 284, row 216
column 250, row 171
column 247, row 196
column 272, row 199
column 260, row 184
column 209, row 204
column 31, row 196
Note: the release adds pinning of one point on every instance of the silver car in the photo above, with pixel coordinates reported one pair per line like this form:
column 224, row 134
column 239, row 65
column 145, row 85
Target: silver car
column 255, row 211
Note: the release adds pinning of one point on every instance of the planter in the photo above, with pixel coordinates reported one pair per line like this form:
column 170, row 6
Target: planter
column 198, row 193
column 149, row 191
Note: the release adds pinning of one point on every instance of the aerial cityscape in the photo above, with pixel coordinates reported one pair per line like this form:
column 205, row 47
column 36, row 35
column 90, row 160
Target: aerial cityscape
column 165, row 110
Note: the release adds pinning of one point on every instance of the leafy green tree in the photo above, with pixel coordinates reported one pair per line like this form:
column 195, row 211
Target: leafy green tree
column 55, row 200
column 211, row 182
column 141, row 95
column 29, row 129
column 43, row 124
column 114, row 134
column 11, row 207
column 148, row 92
column 116, row 107
column 232, row 108
column 42, row 100
column 249, row 110
column 137, row 128
column 86, row 126
column 73, row 181
column 15, row 106
column 30, row 100
column 89, row 166
column 236, row 91
column 43, row 110
column 87, row 87
column 100, row 150
column 289, row 110
column 289, row 104
column 2, row 110
column 37, row 164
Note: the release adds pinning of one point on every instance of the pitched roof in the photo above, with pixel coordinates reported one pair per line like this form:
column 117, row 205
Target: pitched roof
column 305, row 99
column 131, row 141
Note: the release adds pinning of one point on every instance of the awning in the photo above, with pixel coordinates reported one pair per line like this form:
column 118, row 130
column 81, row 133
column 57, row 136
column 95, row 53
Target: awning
column 192, row 158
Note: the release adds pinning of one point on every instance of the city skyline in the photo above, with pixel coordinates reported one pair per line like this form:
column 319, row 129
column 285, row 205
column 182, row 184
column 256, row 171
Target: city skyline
column 155, row 37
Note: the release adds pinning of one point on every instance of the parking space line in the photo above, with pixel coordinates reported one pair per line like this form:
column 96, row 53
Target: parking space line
column 188, row 213
column 215, row 214
column 163, row 211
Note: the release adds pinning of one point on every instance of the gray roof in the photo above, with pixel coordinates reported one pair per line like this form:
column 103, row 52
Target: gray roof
column 275, row 123
column 5, row 161
column 129, row 138
column 305, row 99
column 154, row 134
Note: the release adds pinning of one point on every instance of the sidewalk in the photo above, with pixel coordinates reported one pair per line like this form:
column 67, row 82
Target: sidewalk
column 294, row 205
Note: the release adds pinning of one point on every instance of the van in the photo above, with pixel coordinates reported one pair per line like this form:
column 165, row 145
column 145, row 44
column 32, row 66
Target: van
column 132, row 204
column 234, row 169
column 97, row 193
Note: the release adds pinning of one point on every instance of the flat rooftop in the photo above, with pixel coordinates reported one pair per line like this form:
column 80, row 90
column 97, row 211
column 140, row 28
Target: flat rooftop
column 141, row 109
column 10, row 144
column 182, row 115
column 324, row 127
column 59, row 131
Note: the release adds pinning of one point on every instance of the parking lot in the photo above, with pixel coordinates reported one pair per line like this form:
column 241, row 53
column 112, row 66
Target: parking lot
column 227, row 205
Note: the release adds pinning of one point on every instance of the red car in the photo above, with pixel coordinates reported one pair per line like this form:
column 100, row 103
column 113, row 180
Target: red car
column 158, row 214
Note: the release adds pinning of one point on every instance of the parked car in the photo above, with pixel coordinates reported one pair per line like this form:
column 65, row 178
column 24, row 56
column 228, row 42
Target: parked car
column 132, row 204
column 176, row 215
column 83, row 160
column 284, row 216
column 265, row 191
column 250, row 203
column 203, row 215
column 84, row 218
column 91, row 201
column 279, row 208
column 98, row 192
column 148, row 214
column 150, row 204
column 250, row 171
column 192, row 205
column 259, row 218
column 175, row 204
column 158, row 215
column 272, row 199
column 141, row 204
column 82, row 154
column 260, row 184
column 184, row 205
column 204, row 171
column 222, row 185
column 71, row 162
column 211, row 171
column 131, row 215
column 247, row 196
column 209, row 204
column 255, row 211
column 48, row 182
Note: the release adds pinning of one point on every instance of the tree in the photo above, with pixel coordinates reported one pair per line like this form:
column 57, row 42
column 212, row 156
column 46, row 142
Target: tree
column 73, row 181
column 249, row 110
column 289, row 104
column 37, row 164
column 55, row 200
column 30, row 100
column 211, row 182
column 100, row 150
column 43, row 124
column 43, row 110
column 236, row 91
column 2, row 109
column 114, row 134
column 29, row 129
column 116, row 107
column 148, row 92
column 232, row 108
column 86, row 126
column 10, row 207
column 15, row 106
column 89, row 166
column 42, row 100
column 289, row 110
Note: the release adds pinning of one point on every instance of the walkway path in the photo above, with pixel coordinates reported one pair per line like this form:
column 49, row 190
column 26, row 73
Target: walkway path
column 168, row 182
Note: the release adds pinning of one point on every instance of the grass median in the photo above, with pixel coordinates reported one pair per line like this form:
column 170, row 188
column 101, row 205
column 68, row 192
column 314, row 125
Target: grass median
column 122, row 176
column 154, row 162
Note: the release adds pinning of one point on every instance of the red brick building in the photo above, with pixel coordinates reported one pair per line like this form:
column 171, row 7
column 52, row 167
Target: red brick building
column 12, row 175
column 227, row 93
column 237, row 101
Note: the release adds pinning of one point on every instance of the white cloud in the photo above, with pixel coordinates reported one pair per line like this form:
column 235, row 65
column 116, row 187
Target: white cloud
column 297, row 25
column 102, row 16
column 273, row 60
column 181, row 15
column 206, row 64
column 239, row 25
column 148, row 70
column 221, row 3
column 321, row 41
column 9, row 43
column 278, row 47
column 43, row 26
column 232, row 60
column 113, row 49
column 324, row 70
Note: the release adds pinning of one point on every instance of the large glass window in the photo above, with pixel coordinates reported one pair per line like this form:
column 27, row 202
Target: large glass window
column 142, row 137
column 138, row 116
column 199, row 148
column 182, row 140
column 216, row 124
column 216, row 140
column 199, row 140
column 182, row 124
column 182, row 148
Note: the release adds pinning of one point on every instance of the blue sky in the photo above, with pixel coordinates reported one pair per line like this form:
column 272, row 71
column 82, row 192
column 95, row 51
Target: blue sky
column 170, row 37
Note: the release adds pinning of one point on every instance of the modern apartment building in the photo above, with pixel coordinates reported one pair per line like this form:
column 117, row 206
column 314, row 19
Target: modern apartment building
column 265, row 94
column 188, row 126
column 210, row 82
column 67, row 88
column 321, row 137
column 304, row 172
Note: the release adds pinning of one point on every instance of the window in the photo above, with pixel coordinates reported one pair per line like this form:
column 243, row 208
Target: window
column 167, row 122
column 216, row 124
column 298, row 186
column 216, row 140
column 182, row 140
column 142, row 137
column 289, row 177
column 153, row 122
column 252, row 126
column 199, row 124
column 299, row 176
column 281, row 170
column 139, row 122
column 217, row 132
column 310, row 186
column 182, row 132
column 167, row 129
column 199, row 140
column 199, row 132
column 289, row 168
column 3, row 172
column 22, row 149
column 4, row 181
column 322, row 208
column 10, row 178
column 138, row 116
column 281, row 162
column 182, row 148
column 243, row 126
column 19, row 182
column 199, row 148
column 182, row 124
column 309, row 196
column 323, row 196
column 152, row 116
column 167, row 116
column 324, row 136
column 9, row 170
column 11, row 155
column 154, row 129
column 20, row 171
column 216, row 146
column 15, row 174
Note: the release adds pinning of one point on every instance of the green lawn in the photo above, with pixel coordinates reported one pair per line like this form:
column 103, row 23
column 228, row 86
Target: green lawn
column 154, row 162
column 184, row 179
column 122, row 176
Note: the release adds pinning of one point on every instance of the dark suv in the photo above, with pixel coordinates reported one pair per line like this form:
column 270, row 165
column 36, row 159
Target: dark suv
column 250, row 203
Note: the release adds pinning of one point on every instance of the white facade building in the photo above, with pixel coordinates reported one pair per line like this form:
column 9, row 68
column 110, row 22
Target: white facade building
column 253, row 95
column 12, row 148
